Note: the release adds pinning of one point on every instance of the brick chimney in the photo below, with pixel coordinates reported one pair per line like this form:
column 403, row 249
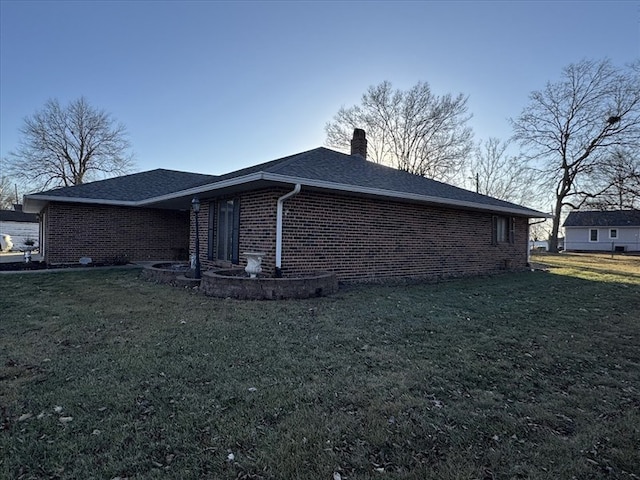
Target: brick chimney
column 359, row 143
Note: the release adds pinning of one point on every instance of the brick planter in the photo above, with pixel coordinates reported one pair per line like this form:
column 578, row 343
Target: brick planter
column 163, row 273
column 235, row 284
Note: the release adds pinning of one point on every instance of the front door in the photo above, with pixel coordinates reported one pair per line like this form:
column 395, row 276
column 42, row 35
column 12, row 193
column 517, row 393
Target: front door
column 226, row 226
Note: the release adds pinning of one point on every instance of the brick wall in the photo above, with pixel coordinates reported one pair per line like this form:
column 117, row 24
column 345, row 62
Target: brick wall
column 107, row 233
column 368, row 239
column 257, row 227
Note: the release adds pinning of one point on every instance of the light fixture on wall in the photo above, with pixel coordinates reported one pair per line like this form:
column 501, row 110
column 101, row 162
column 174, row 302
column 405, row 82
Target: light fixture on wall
column 195, row 205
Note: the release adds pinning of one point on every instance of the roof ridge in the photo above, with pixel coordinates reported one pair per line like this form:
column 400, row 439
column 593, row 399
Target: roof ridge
column 177, row 171
column 270, row 166
column 289, row 159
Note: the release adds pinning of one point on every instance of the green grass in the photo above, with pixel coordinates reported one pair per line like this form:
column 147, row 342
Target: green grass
column 533, row 375
column 595, row 266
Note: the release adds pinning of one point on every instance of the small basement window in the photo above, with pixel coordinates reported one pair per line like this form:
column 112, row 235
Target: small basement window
column 593, row 235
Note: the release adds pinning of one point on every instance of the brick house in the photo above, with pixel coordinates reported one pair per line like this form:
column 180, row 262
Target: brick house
column 109, row 221
column 318, row 210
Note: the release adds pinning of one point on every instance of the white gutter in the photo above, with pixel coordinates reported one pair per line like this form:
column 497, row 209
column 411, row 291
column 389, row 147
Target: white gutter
column 40, row 200
column 520, row 210
column 281, row 200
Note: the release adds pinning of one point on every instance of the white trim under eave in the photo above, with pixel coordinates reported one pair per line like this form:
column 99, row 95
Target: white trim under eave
column 40, row 202
column 257, row 176
column 273, row 177
column 406, row 196
column 42, row 199
column 232, row 182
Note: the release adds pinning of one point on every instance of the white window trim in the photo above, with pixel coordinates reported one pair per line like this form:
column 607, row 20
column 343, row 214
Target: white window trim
column 613, row 230
column 597, row 235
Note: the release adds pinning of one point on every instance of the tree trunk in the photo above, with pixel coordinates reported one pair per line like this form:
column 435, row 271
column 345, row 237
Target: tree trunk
column 553, row 239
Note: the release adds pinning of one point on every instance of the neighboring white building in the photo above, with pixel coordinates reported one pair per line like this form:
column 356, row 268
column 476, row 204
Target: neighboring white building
column 617, row 231
column 19, row 226
column 539, row 245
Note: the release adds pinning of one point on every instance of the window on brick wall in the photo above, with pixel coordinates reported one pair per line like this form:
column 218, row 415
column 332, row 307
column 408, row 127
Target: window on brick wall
column 224, row 230
column 504, row 229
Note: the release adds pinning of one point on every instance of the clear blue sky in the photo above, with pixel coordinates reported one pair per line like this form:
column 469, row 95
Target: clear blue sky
column 211, row 87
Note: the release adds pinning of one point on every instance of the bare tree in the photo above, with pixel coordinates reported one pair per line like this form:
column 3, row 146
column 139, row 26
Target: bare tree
column 491, row 171
column 619, row 179
column 7, row 197
column 540, row 231
column 63, row 146
column 412, row 130
column 572, row 125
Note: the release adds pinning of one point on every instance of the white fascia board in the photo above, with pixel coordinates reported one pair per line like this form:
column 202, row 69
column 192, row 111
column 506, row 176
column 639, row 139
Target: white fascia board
column 406, row 196
column 41, row 200
column 34, row 203
column 273, row 177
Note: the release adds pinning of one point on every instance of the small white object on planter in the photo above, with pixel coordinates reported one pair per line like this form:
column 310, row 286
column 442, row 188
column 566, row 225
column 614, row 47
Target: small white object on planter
column 5, row 243
column 254, row 260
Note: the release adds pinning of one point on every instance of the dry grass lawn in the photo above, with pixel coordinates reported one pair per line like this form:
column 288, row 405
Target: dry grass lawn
column 532, row 375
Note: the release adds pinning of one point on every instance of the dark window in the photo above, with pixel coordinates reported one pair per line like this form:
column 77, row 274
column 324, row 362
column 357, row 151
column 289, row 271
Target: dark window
column 613, row 233
column 504, row 230
column 593, row 235
column 211, row 245
column 512, row 230
column 227, row 230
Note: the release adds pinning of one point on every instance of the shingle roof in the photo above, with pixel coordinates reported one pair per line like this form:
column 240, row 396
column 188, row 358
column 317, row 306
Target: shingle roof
column 134, row 187
column 327, row 165
column 617, row 218
column 16, row 216
column 320, row 168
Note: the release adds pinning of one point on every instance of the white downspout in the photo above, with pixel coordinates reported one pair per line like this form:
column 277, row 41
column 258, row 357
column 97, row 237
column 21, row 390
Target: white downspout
column 281, row 200
column 528, row 244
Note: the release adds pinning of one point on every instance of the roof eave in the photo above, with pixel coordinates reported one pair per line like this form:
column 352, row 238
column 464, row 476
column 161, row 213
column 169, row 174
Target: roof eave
column 523, row 211
column 35, row 203
column 209, row 187
column 306, row 182
column 634, row 225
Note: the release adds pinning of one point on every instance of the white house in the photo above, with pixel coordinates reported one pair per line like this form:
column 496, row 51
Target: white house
column 19, row 226
column 617, row 231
